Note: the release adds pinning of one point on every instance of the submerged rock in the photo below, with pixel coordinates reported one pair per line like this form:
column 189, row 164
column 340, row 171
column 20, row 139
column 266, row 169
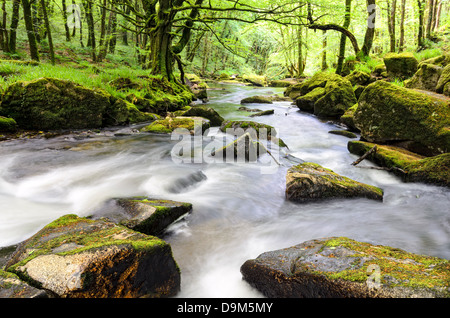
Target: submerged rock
column 338, row 267
column 309, row 182
column 387, row 113
column 75, row 257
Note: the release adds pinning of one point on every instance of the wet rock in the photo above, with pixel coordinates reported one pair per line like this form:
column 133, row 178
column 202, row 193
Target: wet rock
column 387, row 113
column 150, row 216
column 243, row 149
column 309, row 182
column 338, row 267
column 12, row 287
column 263, row 113
column 184, row 183
column 75, row 257
column 205, row 112
column 400, row 65
column 257, row 100
column 344, row 133
column 191, row 125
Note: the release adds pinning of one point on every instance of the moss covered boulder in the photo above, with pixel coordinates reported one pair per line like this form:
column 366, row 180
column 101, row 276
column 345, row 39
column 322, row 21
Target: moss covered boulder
column 309, row 182
column 426, row 78
column 75, row 257
column 339, row 267
column 325, row 94
column 387, row 113
column 400, row 65
column 409, row 166
column 348, row 120
column 7, row 124
column 244, row 149
column 205, row 112
column 11, row 286
column 150, row 216
column 360, row 78
column 192, row 125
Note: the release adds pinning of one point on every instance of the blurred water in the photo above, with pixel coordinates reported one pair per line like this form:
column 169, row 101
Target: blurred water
column 238, row 212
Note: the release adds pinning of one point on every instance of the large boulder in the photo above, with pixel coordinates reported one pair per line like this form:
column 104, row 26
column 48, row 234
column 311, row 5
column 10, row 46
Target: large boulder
column 75, row 257
column 400, row 65
column 243, row 149
column 325, row 94
column 426, row 78
column 409, row 166
column 348, row 120
column 54, row 104
column 309, row 182
column 388, row 113
column 11, row 286
column 339, row 267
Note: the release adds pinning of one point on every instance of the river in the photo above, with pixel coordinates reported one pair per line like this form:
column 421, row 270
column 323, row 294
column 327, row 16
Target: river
column 239, row 208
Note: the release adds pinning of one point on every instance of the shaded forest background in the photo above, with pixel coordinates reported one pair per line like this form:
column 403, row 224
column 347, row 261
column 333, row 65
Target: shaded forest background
column 209, row 38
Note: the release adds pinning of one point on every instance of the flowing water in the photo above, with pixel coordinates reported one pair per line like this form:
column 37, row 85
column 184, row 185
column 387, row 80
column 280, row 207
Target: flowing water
column 239, row 208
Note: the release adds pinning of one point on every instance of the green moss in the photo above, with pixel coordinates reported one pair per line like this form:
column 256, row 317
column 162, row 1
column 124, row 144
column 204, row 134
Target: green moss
column 401, row 65
column 307, row 101
column 444, row 79
column 169, row 124
column 7, row 124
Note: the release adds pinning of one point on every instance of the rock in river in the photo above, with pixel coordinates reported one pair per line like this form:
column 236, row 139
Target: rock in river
column 75, row 257
column 339, row 267
column 309, row 181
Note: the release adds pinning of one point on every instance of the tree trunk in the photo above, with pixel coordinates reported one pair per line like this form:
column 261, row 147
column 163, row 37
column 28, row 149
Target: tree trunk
column 91, row 31
column 347, row 19
column 102, row 43
column 30, row 30
column 324, row 52
column 430, row 18
column 341, row 29
column 438, row 15
column 49, row 33
column 113, row 32
column 420, row 39
column 370, row 30
column 14, row 24
column 401, row 45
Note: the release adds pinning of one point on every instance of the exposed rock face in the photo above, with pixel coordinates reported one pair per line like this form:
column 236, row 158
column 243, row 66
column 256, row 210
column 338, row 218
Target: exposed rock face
column 343, row 268
column 401, row 65
column 76, row 257
column 309, row 181
column 387, row 113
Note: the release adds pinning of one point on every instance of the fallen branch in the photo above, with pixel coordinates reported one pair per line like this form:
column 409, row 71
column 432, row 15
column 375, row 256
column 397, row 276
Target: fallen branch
column 387, row 169
column 374, row 149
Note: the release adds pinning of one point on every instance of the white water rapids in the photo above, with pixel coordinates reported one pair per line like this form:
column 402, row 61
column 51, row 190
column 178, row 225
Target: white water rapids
column 238, row 211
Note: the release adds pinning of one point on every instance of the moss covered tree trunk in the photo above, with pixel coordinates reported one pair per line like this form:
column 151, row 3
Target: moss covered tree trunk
column 14, row 24
column 30, row 31
column 49, row 33
column 370, row 30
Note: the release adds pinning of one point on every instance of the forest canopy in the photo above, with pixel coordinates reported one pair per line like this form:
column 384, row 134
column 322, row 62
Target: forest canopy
column 209, row 37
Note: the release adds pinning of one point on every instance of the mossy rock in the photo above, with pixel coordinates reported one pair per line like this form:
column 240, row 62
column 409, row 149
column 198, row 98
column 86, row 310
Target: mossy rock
column 344, row 133
column 257, row 100
column 347, row 118
column 388, row 113
column 51, row 104
column 256, row 130
column 124, row 83
column 255, row 80
column 282, row 83
column 444, row 80
column 244, row 149
column 400, row 65
column 338, row 98
column 339, row 267
column 263, row 113
column 426, row 78
column 409, row 166
column 12, row 287
column 441, row 60
column 150, row 216
column 75, row 257
column 310, row 182
column 359, row 78
column 191, row 125
column 206, row 112
column 7, row 125
column 307, row 101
